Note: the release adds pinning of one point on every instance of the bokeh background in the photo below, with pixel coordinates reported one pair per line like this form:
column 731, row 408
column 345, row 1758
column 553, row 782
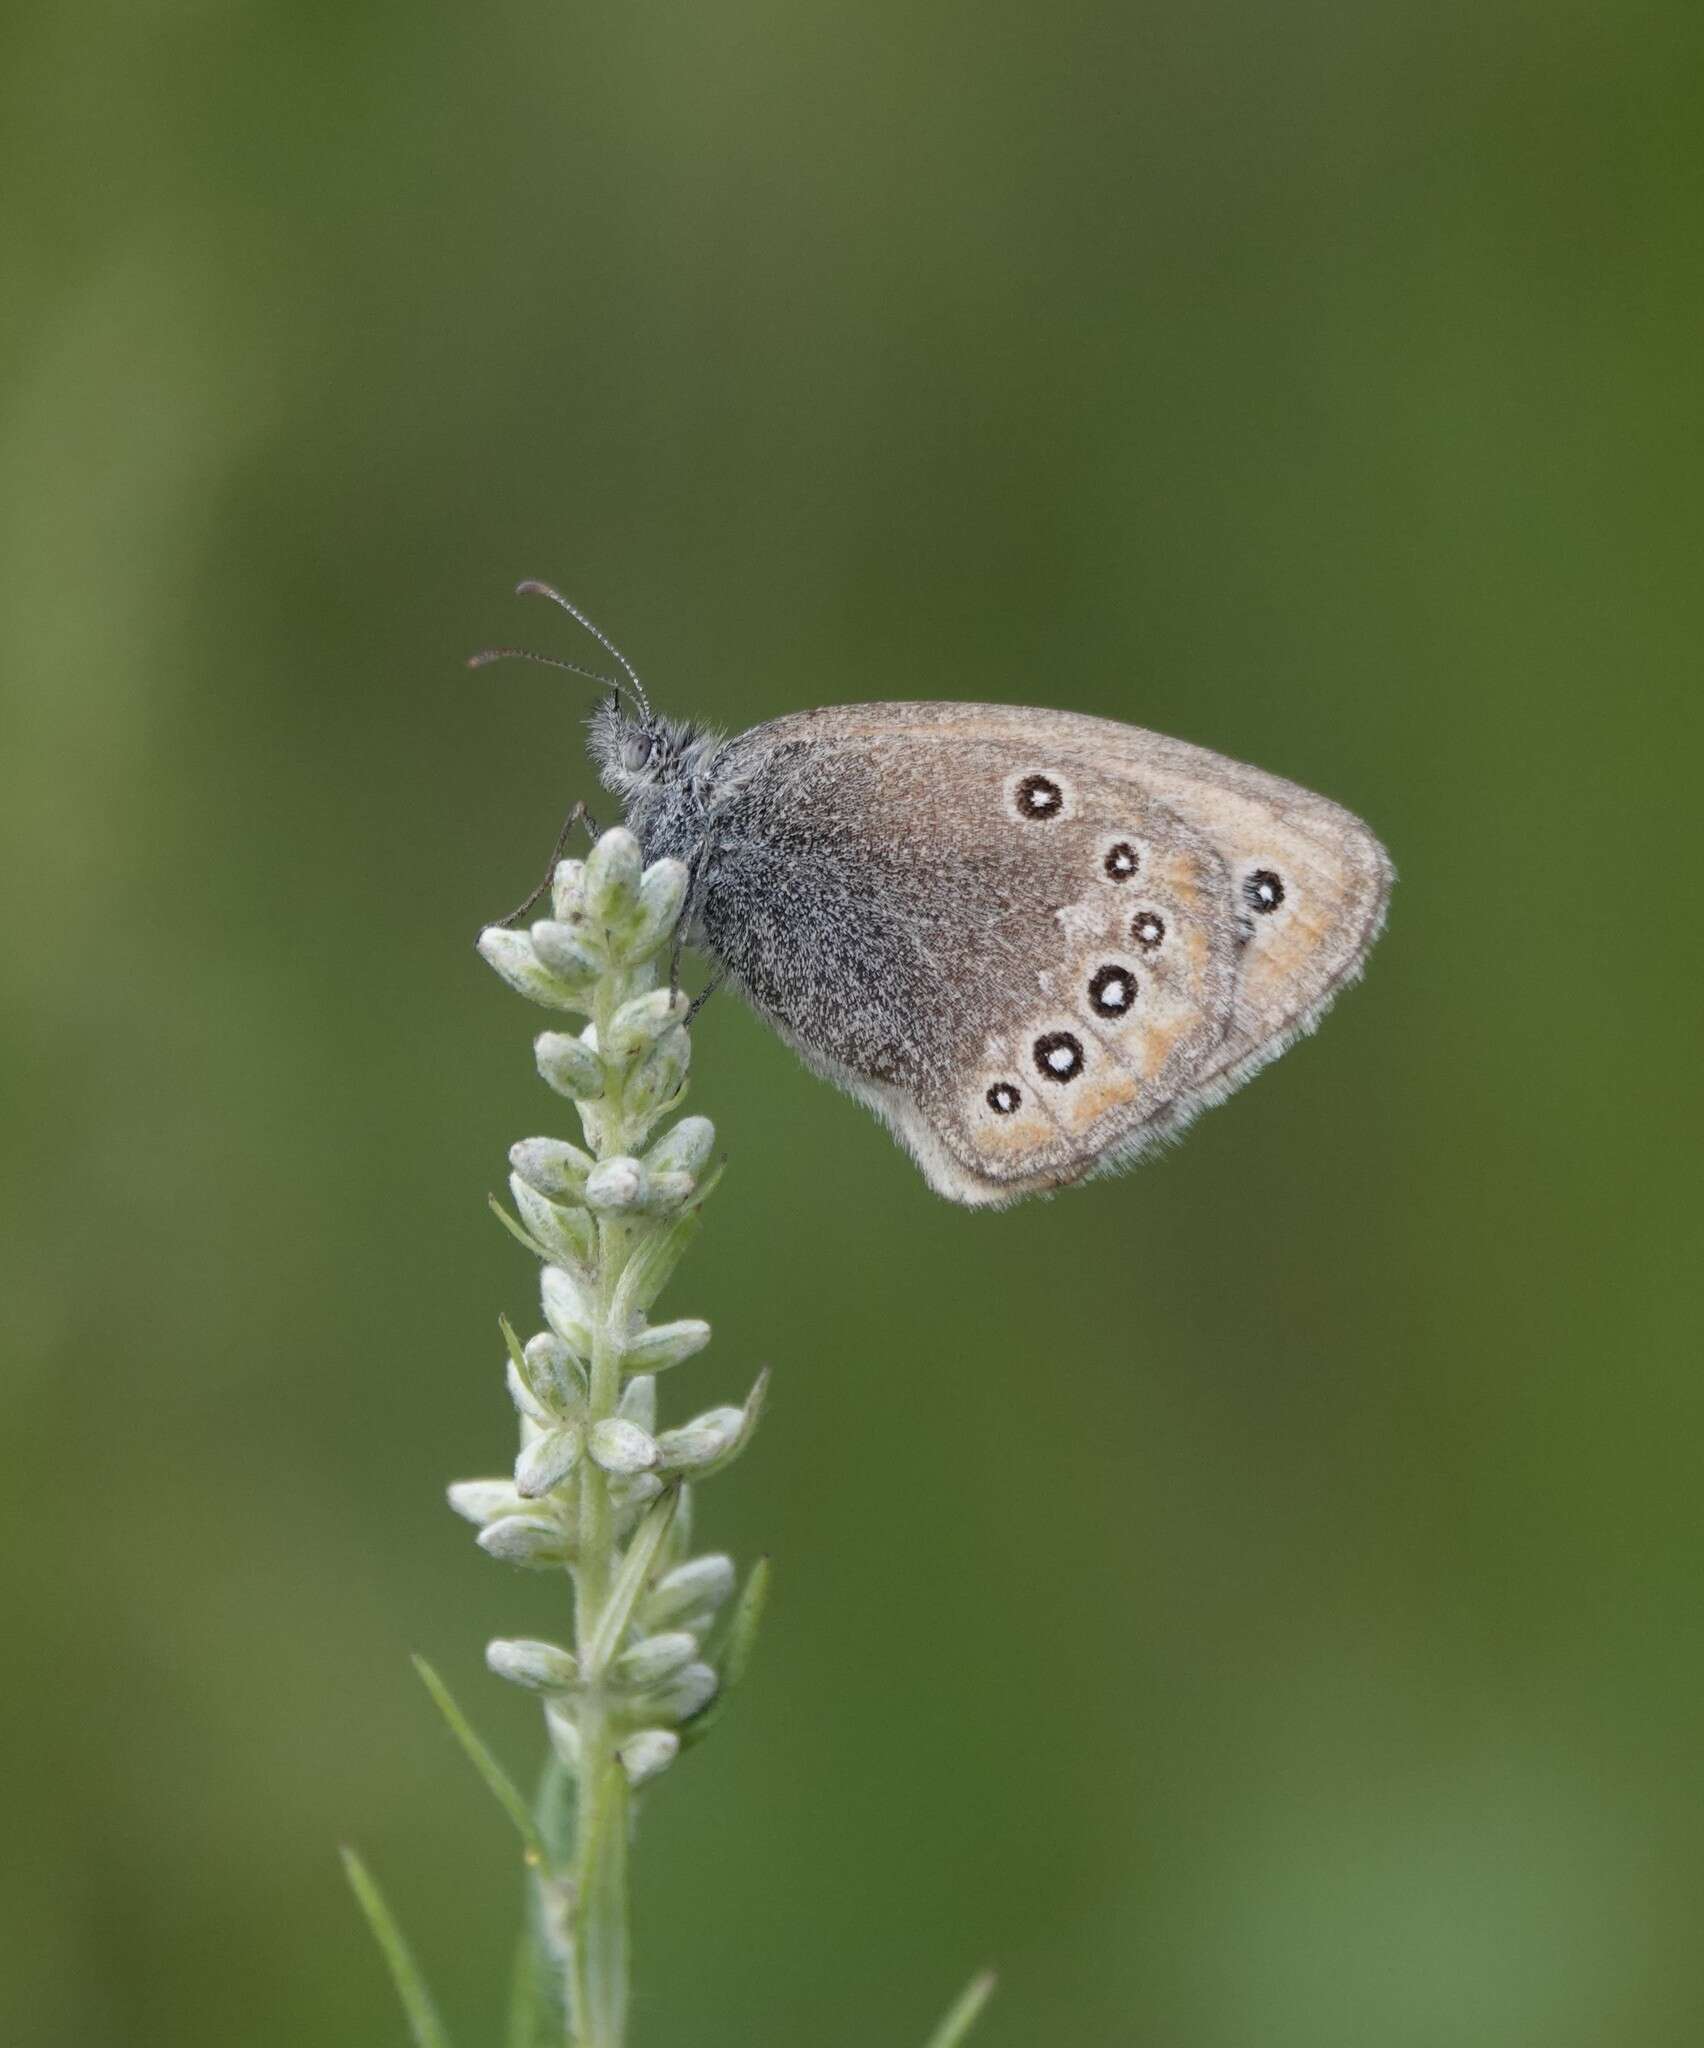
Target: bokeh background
column 1256, row 1601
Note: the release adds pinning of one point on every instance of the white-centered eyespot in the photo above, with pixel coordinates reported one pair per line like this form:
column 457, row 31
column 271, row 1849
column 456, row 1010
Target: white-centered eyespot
column 1058, row 1055
column 1039, row 796
column 1112, row 991
column 1263, row 892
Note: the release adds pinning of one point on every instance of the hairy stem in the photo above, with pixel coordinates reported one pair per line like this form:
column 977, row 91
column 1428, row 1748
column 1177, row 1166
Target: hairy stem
column 600, row 1948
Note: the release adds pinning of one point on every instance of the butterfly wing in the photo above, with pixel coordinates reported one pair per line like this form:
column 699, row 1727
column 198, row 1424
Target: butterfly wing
column 1033, row 942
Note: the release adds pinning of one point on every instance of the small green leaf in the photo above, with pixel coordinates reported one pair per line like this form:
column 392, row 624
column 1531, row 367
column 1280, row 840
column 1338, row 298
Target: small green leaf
column 646, row 1272
column 511, row 1342
column 964, row 2015
column 736, row 1652
column 630, row 1583
column 424, row 2024
column 557, row 1793
column 498, row 1781
column 514, row 1229
column 742, row 1630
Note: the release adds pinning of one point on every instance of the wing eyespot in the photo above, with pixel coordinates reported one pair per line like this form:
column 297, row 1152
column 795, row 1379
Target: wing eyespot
column 1058, row 1056
column 1038, row 798
column 1112, row 991
column 1263, row 891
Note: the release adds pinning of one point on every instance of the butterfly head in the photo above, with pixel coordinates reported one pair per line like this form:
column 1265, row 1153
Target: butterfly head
column 637, row 751
column 659, row 767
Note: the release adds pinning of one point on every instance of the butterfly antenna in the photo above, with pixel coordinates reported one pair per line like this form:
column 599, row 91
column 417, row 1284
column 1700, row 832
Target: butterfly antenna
column 533, row 588
column 487, row 655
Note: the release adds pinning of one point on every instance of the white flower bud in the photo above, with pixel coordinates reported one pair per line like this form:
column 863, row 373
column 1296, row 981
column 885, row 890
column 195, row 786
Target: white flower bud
column 638, row 1402
column 484, row 1500
column 706, row 1440
column 549, row 1368
column 512, row 954
column 615, row 1186
column 703, row 1583
column 525, row 1539
column 656, row 1658
column 552, row 1166
column 540, row 1667
column 526, row 1401
column 682, row 1149
column 641, row 1022
column 612, row 878
column 595, row 1121
column 662, row 891
column 563, row 952
column 561, row 1232
column 568, row 889
column 710, row 1441
column 689, row 1692
column 644, row 1755
column 622, row 1447
column 547, row 1461
column 660, row 1075
column 569, row 1065
column 568, row 1309
column 665, row 1344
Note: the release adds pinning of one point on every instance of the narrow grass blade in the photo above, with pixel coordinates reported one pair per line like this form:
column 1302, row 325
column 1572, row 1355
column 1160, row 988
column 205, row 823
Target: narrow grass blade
column 964, row 2015
column 416, row 2001
column 498, row 1781
column 629, row 1584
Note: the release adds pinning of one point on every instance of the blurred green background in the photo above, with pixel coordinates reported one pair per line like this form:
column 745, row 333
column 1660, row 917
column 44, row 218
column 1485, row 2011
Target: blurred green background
column 1255, row 1601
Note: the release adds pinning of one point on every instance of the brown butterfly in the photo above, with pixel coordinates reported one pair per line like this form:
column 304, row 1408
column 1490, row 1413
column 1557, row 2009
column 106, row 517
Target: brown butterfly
column 1034, row 943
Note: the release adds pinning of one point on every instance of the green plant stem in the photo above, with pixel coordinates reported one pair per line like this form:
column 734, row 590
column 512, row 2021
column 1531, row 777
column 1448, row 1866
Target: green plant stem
column 598, row 2015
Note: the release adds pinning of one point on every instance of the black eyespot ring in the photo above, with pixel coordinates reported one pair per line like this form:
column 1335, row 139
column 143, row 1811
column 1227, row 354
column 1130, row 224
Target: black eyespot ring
column 1122, row 861
column 1148, row 929
column 1112, row 991
column 1038, row 796
column 1263, row 891
column 1058, row 1056
column 1004, row 1097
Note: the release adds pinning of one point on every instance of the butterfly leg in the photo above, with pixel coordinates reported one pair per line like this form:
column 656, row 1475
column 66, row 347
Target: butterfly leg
column 700, row 862
column 706, row 992
column 579, row 815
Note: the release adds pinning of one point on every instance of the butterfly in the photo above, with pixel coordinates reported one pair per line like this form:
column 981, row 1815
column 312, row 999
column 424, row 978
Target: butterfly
column 1035, row 943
